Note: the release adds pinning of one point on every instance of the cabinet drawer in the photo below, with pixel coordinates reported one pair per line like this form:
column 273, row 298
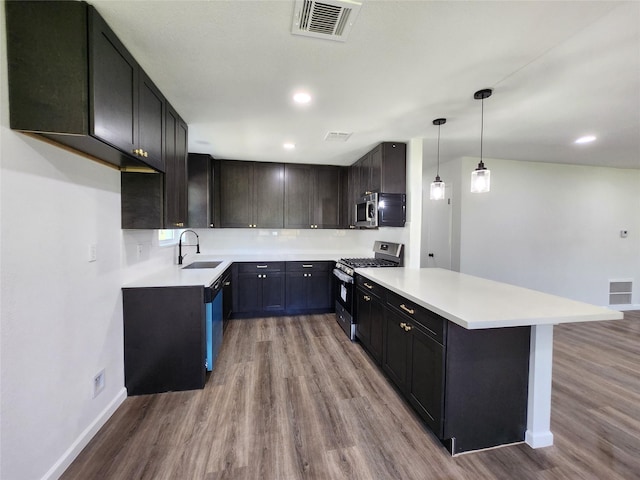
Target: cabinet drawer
column 369, row 286
column 310, row 266
column 433, row 323
column 251, row 267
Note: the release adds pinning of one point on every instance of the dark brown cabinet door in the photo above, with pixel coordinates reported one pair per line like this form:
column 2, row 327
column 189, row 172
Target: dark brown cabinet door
column 297, row 196
column 114, row 88
column 200, row 189
column 268, row 203
column 425, row 384
column 273, row 291
column 395, row 350
column 248, row 293
column 375, row 170
column 236, row 194
column 325, row 206
column 370, row 322
column 251, row 194
column 151, row 118
column 175, row 171
column 320, row 290
column 312, row 196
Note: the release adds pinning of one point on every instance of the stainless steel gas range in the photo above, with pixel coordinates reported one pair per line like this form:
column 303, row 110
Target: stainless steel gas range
column 386, row 254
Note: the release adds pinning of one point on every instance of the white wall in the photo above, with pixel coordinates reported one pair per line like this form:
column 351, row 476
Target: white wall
column 554, row 228
column 61, row 316
column 243, row 240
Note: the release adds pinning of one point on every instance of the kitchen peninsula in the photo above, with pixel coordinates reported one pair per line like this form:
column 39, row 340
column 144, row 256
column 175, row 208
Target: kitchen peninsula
column 489, row 347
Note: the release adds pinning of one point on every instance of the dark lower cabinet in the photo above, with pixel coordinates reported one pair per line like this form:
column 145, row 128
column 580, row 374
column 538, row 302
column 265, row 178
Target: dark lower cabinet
column 258, row 288
column 468, row 386
column 164, row 339
column 414, row 360
column 370, row 317
column 309, row 287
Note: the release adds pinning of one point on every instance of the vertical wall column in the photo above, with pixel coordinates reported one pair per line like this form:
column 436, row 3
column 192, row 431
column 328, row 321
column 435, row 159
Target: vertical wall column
column 538, row 432
column 414, row 201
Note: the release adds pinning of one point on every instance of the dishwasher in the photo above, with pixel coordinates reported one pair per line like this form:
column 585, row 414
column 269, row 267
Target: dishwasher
column 213, row 322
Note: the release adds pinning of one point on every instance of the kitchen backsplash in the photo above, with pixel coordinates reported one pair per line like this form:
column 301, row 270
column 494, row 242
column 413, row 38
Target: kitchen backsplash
column 142, row 253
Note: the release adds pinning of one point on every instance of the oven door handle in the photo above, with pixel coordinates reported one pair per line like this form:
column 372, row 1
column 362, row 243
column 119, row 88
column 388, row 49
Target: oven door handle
column 342, row 276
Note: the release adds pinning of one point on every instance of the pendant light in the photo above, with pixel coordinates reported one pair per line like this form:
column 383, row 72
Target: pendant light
column 437, row 186
column 481, row 176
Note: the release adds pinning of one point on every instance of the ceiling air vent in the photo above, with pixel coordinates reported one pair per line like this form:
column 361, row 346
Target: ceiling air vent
column 329, row 19
column 337, row 136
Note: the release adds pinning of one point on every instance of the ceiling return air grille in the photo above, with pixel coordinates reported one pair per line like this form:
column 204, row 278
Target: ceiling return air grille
column 331, row 20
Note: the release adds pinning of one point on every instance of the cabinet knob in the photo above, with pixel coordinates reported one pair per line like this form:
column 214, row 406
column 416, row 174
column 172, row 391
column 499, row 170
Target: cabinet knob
column 145, row 154
column 403, row 325
column 367, row 298
column 179, row 224
column 408, row 328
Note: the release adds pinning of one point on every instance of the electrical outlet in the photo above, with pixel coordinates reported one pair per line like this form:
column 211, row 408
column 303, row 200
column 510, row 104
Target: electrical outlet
column 98, row 383
column 93, row 252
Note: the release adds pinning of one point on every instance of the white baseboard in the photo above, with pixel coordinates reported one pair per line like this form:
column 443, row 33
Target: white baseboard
column 624, row 308
column 58, row 468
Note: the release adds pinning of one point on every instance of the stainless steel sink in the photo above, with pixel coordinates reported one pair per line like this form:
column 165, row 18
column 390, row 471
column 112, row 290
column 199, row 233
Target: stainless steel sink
column 203, row 265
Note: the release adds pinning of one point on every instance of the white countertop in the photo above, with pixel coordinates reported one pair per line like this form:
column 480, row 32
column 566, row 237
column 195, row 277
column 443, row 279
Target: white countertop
column 474, row 302
column 178, row 276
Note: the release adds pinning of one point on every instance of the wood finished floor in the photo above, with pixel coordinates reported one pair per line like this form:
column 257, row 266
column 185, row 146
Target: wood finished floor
column 292, row 398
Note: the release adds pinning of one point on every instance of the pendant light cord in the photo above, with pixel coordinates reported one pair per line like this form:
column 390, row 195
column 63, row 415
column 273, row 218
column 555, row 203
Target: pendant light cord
column 438, row 169
column 481, row 129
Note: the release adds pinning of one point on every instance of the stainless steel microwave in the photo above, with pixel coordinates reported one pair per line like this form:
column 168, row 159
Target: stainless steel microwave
column 381, row 210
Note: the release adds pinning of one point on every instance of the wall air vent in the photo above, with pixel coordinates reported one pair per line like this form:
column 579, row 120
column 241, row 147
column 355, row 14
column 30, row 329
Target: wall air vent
column 620, row 292
column 337, row 136
column 328, row 19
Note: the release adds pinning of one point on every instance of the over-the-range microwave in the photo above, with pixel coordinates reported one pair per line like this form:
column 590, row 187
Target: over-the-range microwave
column 381, row 210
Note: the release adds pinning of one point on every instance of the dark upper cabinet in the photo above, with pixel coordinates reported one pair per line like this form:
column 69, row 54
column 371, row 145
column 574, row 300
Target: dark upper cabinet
column 71, row 80
column 201, row 190
column 312, row 196
column 159, row 200
column 251, row 194
column 176, row 210
column 382, row 170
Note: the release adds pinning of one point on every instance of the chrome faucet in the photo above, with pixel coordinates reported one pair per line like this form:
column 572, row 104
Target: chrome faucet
column 197, row 245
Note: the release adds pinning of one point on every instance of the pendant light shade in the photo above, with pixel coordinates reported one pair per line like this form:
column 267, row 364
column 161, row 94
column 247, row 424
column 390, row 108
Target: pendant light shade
column 481, row 176
column 437, row 190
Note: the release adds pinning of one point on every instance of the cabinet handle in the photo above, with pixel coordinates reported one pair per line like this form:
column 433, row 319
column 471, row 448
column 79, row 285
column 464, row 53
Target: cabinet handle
column 307, row 266
column 408, row 310
column 226, row 284
column 262, row 266
column 408, row 328
column 179, row 224
column 370, row 287
column 367, row 298
column 402, row 325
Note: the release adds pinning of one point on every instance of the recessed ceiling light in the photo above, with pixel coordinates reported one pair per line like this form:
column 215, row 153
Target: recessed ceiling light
column 302, row 97
column 585, row 139
column 289, row 146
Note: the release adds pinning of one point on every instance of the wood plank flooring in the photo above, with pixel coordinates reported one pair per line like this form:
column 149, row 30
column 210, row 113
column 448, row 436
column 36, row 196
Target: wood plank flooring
column 293, row 398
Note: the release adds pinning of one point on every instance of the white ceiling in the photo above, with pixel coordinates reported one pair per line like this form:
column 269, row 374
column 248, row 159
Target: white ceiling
column 559, row 70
